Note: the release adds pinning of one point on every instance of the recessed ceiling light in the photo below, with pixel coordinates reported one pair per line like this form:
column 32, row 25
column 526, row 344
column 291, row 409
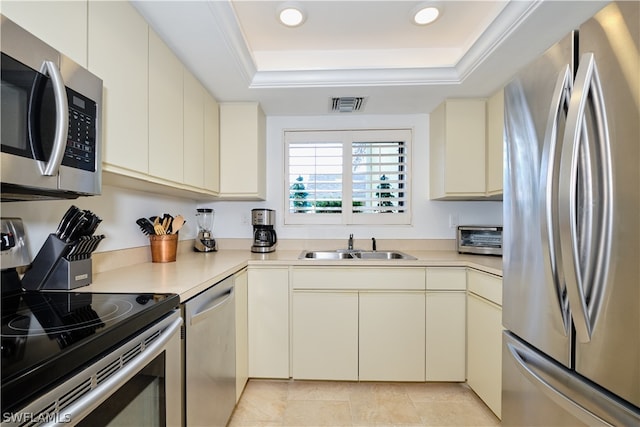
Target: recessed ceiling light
column 425, row 14
column 291, row 15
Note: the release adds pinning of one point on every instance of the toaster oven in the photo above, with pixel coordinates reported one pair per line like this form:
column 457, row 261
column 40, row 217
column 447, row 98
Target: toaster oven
column 479, row 239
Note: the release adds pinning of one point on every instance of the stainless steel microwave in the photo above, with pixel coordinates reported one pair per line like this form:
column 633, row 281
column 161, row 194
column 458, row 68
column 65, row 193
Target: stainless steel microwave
column 479, row 239
column 51, row 120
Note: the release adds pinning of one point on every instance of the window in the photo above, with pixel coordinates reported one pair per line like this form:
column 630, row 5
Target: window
column 348, row 177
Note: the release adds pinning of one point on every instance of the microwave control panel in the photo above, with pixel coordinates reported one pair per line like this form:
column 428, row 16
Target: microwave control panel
column 81, row 137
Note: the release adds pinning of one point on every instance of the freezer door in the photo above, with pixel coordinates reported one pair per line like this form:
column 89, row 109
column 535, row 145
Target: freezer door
column 535, row 305
column 537, row 391
column 608, row 349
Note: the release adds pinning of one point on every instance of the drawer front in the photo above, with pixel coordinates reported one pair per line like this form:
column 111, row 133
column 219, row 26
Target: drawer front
column 374, row 278
column 447, row 278
column 485, row 285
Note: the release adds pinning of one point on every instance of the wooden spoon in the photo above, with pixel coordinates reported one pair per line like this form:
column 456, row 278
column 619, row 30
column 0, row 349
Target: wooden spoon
column 178, row 222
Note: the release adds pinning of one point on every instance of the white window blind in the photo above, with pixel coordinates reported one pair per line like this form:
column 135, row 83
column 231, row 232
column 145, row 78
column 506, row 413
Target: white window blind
column 348, row 177
column 315, row 174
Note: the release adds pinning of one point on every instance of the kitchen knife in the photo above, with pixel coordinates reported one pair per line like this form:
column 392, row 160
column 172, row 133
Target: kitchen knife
column 64, row 222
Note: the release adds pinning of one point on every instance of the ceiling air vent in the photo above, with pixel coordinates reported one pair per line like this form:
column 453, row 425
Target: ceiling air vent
column 347, row 104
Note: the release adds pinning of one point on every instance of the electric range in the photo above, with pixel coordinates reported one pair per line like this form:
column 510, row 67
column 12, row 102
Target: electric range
column 48, row 335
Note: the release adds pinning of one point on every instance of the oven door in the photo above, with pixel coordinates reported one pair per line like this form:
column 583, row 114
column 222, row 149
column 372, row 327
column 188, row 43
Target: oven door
column 138, row 383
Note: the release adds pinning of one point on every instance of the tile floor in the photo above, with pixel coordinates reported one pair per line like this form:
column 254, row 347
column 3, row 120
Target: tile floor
column 324, row 403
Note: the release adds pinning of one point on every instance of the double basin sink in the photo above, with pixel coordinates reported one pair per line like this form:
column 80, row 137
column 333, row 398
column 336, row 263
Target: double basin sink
column 342, row 254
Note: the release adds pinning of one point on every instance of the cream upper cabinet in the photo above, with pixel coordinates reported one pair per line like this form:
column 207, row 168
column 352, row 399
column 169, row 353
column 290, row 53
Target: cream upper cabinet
column 211, row 144
column 125, row 98
column 446, row 324
column 457, row 149
column 268, row 322
column 242, row 151
column 495, row 143
column 60, row 24
column 166, row 122
column 194, row 159
column 484, row 330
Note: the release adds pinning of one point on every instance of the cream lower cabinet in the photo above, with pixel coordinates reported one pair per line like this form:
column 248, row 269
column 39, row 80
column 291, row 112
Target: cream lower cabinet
column 325, row 335
column 268, row 322
column 242, row 331
column 446, row 324
column 392, row 334
column 358, row 323
column 484, row 315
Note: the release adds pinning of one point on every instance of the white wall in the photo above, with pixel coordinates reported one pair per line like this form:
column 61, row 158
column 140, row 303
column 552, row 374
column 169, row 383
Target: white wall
column 120, row 208
column 430, row 219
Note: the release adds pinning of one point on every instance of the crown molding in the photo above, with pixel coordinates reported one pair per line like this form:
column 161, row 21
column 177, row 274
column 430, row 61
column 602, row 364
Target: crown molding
column 505, row 23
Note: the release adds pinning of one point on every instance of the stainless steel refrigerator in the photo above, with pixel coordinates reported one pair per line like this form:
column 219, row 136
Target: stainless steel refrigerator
column 571, row 295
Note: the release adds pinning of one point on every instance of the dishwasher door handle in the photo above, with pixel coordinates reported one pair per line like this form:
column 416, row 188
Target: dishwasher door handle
column 211, row 307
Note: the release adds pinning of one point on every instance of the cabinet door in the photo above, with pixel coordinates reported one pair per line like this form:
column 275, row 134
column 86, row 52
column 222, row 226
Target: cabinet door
column 242, row 150
column 325, row 335
column 211, row 144
column 485, row 351
column 495, row 143
column 165, row 112
column 193, row 131
column 465, row 147
column 457, row 149
column 60, row 24
column 268, row 305
column 392, row 336
column 125, row 101
column 242, row 332
column 446, row 339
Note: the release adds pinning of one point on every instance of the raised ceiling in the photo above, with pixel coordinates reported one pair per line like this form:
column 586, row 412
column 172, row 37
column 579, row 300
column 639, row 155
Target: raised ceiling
column 371, row 49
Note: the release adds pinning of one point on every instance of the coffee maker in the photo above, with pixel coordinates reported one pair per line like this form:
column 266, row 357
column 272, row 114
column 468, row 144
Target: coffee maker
column 264, row 236
column 205, row 241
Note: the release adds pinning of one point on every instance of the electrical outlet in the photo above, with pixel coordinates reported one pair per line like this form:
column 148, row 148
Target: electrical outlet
column 244, row 219
column 453, row 220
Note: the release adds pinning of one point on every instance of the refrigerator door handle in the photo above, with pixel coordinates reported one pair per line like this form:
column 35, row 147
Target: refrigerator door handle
column 569, row 391
column 585, row 269
column 549, row 171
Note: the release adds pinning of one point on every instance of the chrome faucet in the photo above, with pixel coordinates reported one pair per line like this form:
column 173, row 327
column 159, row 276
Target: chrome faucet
column 350, row 245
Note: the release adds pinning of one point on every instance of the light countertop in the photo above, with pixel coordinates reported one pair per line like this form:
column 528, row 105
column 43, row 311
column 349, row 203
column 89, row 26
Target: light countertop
column 194, row 272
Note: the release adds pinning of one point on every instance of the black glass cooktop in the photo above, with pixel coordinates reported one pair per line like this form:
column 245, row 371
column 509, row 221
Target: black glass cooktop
column 46, row 335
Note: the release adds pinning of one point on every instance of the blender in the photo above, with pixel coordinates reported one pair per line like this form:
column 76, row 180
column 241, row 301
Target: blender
column 205, row 241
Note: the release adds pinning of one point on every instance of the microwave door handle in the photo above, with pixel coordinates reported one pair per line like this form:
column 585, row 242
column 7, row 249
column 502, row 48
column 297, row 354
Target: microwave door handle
column 51, row 167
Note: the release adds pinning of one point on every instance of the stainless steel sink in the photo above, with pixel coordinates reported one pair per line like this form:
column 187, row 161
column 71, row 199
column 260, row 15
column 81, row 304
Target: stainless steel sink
column 341, row 254
column 383, row 255
column 325, row 255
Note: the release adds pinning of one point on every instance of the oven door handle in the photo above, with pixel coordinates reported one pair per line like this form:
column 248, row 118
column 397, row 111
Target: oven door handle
column 84, row 406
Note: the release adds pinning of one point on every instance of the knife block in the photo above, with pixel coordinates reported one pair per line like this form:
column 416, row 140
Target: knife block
column 51, row 270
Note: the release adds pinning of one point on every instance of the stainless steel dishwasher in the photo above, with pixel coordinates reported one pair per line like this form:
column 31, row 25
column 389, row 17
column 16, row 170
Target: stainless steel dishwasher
column 210, row 356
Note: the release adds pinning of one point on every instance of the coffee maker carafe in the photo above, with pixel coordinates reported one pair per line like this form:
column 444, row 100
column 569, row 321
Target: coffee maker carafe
column 205, row 241
column 264, row 236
